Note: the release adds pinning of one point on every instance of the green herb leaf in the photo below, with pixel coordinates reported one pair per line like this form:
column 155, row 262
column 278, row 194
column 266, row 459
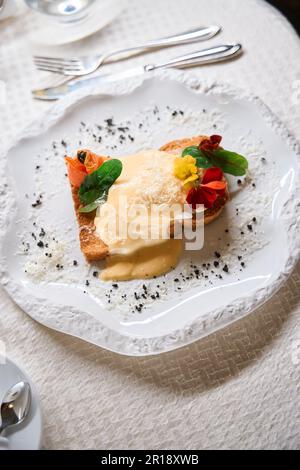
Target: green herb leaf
column 94, row 189
column 194, row 151
column 229, row 162
column 89, row 196
column 89, row 208
column 201, row 159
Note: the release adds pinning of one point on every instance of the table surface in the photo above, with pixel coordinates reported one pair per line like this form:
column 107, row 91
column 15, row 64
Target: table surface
column 238, row 388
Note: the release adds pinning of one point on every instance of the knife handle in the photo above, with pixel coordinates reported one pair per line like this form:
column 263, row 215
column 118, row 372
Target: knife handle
column 205, row 56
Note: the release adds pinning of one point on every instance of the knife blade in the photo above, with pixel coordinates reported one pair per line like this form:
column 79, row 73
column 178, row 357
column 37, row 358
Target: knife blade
column 57, row 92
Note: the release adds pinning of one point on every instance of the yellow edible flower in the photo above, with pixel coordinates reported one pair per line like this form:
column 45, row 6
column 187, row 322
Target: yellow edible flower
column 188, row 182
column 185, row 167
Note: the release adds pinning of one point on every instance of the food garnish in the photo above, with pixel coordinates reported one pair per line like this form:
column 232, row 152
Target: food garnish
column 94, row 189
column 185, row 169
column 210, row 154
column 204, row 188
column 206, row 192
column 83, row 164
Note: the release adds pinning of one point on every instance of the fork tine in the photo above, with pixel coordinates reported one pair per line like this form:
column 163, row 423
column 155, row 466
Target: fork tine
column 58, row 66
column 51, row 69
column 57, row 59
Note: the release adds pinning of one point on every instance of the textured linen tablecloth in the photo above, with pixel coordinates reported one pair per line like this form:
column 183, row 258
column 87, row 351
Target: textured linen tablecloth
column 238, row 388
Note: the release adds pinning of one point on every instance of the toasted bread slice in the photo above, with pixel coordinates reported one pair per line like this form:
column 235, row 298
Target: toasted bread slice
column 93, row 248
column 176, row 146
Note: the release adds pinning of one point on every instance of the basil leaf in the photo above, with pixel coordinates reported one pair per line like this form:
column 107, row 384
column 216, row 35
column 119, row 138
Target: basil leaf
column 230, row 162
column 93, row 205
column 89, row 196
column 95, row 186
column 89, row 208
column 193, row 151
column 202, row 161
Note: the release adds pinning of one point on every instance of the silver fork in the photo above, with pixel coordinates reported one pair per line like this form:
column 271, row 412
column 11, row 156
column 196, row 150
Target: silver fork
column 205, row 56
column 77, row 66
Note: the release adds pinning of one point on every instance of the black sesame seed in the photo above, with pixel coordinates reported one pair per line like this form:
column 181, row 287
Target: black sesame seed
column 249, row 227
column 254, row 219
column 109, row 122
column 115, row 286
column 37, row 203
column 40, row 244
column 87, row 283
column 217, row 254
column 75, row 263
column 95, row 273
column 216, row 264
column 239, row 182
column 226, row 269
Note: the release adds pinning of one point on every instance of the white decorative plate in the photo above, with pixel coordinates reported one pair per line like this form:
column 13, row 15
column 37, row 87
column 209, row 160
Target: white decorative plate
column 249, row 251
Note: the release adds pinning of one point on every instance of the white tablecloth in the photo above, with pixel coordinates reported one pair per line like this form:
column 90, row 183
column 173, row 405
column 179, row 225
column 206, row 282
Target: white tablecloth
column 238, row 388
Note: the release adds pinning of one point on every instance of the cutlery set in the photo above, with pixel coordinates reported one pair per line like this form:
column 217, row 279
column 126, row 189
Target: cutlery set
column 75, row 68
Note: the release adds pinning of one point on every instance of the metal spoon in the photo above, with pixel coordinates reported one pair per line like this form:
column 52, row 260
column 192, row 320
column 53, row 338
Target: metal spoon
column 15, row 405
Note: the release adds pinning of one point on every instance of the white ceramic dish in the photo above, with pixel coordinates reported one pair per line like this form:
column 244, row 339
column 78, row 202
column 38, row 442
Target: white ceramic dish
column 201, row 307
column 28, row 435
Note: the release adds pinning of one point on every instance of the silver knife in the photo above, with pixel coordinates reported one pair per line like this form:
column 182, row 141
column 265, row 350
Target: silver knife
column 204, row 56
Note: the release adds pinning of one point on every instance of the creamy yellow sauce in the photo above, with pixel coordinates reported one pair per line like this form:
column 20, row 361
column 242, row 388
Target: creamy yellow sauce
column 138, row 240
column 144, row 263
